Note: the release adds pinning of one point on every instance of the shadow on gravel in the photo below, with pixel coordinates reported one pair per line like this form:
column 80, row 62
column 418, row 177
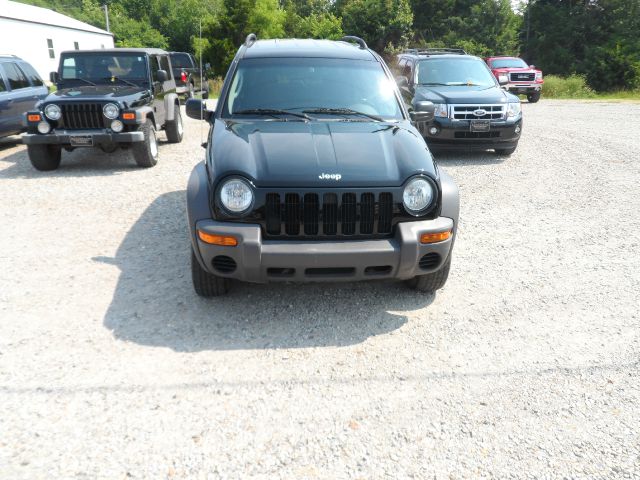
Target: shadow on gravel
column 459, row 159
column 9, row 142
column 82, row 162
column 154, row 302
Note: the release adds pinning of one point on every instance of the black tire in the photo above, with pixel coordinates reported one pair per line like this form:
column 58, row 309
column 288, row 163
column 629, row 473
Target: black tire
column 533, row 97
column 431, row 281
column 146, row 152
column 44, row 157
column 204, row 283
column 505, row 152
column 175, row 128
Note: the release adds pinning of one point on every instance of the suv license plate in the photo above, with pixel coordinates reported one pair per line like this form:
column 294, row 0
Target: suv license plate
column 81, row 141
column 480, row 125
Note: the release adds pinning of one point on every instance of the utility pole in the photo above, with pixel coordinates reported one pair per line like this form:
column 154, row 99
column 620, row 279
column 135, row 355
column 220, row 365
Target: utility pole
column 106, row 15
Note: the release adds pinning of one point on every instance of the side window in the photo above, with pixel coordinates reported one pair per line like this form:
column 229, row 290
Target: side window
column 193, row 61
column 31, row 74
column 164, row 65
column 153, row 64
column 69, row 68
column 3, row 88
column 15, row 76
column 52, row 53
column 406, row 71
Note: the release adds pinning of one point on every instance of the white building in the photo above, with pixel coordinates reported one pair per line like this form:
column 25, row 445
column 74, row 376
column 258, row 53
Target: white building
column 38, row 35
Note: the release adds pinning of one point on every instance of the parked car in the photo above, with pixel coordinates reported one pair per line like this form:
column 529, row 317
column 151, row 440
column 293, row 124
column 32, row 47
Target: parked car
column 187, row 74
column 20, row 89
column 110, row 99
column 517, row 77
column 471, row 110
column 314, row 172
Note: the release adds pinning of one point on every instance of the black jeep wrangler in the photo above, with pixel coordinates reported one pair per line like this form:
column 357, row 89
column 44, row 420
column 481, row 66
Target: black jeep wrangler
column 314, row 172
column 107, row 99
column 472, row 111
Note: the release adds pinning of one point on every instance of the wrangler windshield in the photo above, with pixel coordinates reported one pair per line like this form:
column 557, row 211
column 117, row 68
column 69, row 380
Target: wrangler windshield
column 455, row 72
column 104, row 68
column 320, row 88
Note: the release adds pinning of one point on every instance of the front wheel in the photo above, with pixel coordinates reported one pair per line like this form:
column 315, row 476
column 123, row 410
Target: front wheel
column 431, row 282
column 44, row 157
column 204, row 283
column 533, row 97
column 146, row 152
column 174, row 128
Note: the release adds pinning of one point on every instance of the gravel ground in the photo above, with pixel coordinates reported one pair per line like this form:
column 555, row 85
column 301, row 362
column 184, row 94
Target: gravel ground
column 525, row 365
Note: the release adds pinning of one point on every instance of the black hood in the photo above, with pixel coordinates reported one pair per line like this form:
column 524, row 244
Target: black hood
column 463, row 95
column 297, row 154
column 126, row 95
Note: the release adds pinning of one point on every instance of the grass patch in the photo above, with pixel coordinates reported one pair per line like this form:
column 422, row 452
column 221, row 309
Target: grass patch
column 575, row 87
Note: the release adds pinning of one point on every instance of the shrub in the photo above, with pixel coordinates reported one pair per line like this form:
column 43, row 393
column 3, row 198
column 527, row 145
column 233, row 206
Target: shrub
column 573, row 86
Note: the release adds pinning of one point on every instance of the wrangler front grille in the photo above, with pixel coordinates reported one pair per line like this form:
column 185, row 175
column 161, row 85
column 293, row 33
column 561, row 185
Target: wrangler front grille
column 329, row 214
column 477, row 112
column 522, row 77
column 82, row 115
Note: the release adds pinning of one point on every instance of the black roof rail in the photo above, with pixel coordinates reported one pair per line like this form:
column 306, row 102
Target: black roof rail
column 358, row 40
column 435, row 51
column 250, row 40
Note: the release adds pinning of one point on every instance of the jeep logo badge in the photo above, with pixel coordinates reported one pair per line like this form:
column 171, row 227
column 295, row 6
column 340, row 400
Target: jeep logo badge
column 329, row 176
column 480, row 112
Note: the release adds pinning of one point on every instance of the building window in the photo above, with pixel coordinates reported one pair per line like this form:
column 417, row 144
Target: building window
column 52, row 54
column 76, row 46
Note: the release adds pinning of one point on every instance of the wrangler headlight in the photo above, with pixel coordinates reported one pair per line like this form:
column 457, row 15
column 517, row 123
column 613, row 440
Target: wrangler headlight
column 111, row 111
column 513, row 109
column 53, row 112
column 418, row 195
column 441, row 110
column 236, row 195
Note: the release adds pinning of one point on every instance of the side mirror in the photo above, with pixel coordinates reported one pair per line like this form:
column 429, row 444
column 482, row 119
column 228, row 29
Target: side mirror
column 532, row 66
column 162, row 76
column 197, row 109
column 423, row 112
column 53, row 76
column 402, row 82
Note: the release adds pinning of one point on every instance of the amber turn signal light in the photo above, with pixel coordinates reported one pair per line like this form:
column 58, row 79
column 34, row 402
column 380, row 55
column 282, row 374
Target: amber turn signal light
column 34, row 117
column 128, row 116
column 213, row 239
column 435, row 237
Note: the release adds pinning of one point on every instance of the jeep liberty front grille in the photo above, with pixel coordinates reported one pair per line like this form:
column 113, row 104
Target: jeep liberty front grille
column 82, row 115
column 328, row 214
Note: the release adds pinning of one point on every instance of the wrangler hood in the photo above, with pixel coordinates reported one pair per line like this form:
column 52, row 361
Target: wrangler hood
column 319, row 153
column 126, row 95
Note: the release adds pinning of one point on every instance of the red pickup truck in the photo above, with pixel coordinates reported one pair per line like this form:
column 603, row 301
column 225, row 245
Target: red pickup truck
column 517, row 77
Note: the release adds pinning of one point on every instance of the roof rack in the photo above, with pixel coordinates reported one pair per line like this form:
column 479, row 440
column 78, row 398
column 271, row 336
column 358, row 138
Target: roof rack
column 435, row 51
column 358, row 40
column 250, row 40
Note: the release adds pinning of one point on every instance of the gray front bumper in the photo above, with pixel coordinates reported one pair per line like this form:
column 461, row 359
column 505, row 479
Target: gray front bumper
column 62, row 137
column 264, row 261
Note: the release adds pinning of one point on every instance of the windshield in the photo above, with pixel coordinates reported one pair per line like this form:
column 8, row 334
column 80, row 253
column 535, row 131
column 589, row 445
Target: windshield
column 181, row 60
column 454, row 72
column 103, row 68
column 311, row 84
column 509, row 63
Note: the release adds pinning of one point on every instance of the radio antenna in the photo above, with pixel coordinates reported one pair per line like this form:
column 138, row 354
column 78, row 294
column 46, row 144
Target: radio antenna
column 202, row 79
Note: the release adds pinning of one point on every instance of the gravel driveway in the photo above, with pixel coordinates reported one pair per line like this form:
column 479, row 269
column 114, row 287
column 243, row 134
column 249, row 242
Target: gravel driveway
column 525, row 365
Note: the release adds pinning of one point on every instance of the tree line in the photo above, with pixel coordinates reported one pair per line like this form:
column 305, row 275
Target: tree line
column 594, row 38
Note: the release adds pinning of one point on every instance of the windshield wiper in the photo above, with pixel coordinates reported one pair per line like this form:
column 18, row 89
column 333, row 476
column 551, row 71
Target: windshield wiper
column 343, row 111
column 120, row 79
column 434, row 84
column 467, row 84
column 274, row 112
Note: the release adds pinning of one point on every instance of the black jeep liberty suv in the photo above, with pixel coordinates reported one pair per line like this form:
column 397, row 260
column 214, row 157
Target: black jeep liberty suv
column 314, row 172
column 107, row 99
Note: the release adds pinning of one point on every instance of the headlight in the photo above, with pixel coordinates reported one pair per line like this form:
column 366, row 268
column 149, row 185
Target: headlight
column 503, row 79
column 538, row 75
column 513, row 110
column 417, row 195
column 441, row 110
column 44, row 127
column 53, row 112
column 111, row 111
column 236, row 195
